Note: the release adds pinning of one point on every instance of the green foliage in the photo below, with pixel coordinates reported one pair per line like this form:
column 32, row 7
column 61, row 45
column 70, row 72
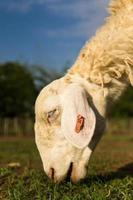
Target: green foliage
column 124, row 106
column 19, row 86
column 17, row 90
column 43, row 76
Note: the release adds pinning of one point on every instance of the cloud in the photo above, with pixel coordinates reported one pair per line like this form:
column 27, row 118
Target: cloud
column 72, row 7
column 24, row 5
column 87, row 16
column 76, row 8
column 20, row 5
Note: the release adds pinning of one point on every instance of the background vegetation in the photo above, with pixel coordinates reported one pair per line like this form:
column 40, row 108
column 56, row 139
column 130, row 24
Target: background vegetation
column 20, row 84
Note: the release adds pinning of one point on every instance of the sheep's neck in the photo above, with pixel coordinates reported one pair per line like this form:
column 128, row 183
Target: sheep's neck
column 105, row 97
column 101, row 96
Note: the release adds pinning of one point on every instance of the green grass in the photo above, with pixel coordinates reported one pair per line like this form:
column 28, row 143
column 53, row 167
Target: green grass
column 110, row 172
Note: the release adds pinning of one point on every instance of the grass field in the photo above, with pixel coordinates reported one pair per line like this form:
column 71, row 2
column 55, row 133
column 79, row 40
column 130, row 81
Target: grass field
column 110, row 172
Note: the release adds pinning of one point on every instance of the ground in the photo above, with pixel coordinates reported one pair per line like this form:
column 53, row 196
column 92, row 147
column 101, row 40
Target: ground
column 110, row 172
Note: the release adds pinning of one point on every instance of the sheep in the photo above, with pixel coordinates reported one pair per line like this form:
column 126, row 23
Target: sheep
column 71, row 112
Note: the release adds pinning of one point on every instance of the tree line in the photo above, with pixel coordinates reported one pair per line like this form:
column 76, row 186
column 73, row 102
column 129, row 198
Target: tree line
column 19, row 87
column 20, row 84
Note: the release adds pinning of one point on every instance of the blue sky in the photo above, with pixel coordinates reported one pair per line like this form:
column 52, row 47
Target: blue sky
column 47, row 32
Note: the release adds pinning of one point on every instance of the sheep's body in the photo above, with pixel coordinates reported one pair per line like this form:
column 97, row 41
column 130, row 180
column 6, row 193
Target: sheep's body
column 100, row 74
column 107, row 59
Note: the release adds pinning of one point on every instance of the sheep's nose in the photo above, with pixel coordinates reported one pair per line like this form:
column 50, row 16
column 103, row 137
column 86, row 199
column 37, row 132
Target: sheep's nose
column 51, row 174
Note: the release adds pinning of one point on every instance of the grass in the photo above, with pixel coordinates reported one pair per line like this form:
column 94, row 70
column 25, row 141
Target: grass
column 110, row 172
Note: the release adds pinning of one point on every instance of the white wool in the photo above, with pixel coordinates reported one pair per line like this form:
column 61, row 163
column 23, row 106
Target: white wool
column 51, row 102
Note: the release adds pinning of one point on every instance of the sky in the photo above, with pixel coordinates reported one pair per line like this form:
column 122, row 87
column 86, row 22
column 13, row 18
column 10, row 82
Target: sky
column 47, row 32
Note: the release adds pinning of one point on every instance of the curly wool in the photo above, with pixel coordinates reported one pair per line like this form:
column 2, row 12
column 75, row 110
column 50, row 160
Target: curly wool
column 108, row 56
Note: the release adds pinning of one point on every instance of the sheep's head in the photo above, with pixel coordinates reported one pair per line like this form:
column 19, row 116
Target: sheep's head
column 64, row 126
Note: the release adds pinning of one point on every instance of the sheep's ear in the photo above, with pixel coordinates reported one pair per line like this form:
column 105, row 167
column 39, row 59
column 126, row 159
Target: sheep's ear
column 78, row 119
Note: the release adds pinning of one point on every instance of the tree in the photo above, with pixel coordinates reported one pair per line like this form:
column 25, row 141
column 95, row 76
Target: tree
column 124, row 107
column 17, row 90
column 43, row 76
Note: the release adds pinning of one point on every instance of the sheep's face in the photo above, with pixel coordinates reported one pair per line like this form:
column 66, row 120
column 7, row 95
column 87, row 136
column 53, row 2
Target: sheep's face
column 64, row 127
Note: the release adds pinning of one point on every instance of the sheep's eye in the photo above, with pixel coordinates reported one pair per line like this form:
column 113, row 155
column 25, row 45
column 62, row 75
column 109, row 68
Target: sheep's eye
column 50, row 115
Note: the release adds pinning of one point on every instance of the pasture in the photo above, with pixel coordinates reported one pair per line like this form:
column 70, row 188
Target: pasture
column 110, row 172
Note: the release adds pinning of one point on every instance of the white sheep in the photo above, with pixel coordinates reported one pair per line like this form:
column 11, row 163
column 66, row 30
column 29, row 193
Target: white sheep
column 70, row 112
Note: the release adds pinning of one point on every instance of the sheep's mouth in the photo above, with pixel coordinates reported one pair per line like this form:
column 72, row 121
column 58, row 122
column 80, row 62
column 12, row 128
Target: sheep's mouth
column 70, row 169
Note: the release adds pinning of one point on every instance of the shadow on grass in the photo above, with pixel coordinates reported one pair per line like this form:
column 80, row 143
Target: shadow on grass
column 121, row 173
